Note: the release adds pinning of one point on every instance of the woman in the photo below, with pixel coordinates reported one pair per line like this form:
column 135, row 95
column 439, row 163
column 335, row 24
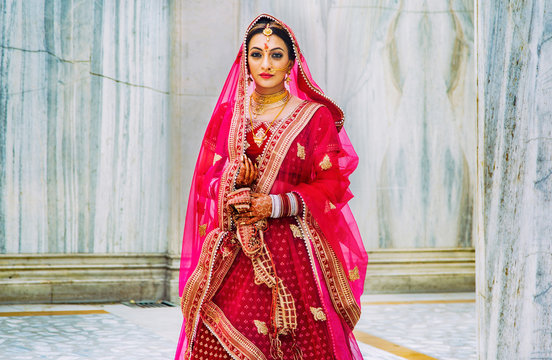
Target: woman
column 272, row 262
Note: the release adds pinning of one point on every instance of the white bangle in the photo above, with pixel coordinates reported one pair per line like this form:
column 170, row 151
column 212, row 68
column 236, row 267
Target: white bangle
column 276, row 205
column 292, row 204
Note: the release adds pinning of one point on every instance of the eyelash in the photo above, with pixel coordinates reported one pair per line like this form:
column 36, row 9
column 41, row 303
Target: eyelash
column 258, row 55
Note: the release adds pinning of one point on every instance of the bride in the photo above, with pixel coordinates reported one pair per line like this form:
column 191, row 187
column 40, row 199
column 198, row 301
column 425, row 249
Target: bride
column 272, row 261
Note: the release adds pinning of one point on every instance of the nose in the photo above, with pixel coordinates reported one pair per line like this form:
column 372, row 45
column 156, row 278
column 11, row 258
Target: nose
column 266, row 62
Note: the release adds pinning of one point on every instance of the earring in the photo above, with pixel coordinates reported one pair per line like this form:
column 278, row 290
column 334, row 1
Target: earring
column 288, row 78
column 249, row 80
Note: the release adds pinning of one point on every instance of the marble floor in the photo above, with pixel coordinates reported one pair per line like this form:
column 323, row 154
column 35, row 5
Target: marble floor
column 392, row 327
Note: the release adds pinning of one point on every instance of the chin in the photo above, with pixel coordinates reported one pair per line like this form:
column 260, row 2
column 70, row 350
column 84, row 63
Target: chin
column 271, row 85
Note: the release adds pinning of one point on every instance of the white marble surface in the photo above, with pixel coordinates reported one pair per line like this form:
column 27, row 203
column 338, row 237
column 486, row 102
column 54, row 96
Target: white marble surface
column 444, row 331
column 404, row 73
column 84, row 109
column 515, row 120
column 103, row 105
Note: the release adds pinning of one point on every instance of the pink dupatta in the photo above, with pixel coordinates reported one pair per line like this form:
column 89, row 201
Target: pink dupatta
column 328, row 219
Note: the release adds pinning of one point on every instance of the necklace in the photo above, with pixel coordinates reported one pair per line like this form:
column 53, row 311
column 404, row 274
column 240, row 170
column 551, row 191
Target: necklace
column 259, row 103
column 260, row 136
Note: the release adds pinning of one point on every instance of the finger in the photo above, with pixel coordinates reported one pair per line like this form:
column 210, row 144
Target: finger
column 247, row 170
column 252, row 170
column 255, row 171
column 253, row 220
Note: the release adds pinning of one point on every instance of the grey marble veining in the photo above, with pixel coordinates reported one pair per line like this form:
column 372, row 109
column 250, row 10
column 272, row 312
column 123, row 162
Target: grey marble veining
column 515, row 251
column 103, row 105
column 84, row 104
column 403, row 71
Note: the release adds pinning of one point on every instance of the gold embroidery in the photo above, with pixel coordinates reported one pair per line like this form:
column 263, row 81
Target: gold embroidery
column 233, row 341
column 300, row 151
column 329, row 206
column 295, row 230
column 202, row 229
column 277, row 145
column 318, row 314
column 261, row 327
column 326, row 163
column 334, row 274
column 353, row 274
column 216, row 158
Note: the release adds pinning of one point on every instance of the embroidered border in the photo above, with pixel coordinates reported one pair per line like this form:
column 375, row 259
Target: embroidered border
column 204, row 282
column 226, row 186
column 198, row 283
column 334, row 275
column 279, row 144
column 233, row 341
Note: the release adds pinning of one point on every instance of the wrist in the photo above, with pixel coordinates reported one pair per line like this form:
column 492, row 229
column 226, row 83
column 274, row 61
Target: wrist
column 283, row 205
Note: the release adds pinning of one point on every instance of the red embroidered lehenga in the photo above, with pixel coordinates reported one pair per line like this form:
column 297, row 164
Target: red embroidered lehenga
column 298, row 295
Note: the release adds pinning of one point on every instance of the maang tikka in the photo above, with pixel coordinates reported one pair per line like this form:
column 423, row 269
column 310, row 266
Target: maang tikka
column 267, row 32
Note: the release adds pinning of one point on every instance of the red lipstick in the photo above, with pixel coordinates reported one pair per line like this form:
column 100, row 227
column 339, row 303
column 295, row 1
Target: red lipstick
column 265, row 75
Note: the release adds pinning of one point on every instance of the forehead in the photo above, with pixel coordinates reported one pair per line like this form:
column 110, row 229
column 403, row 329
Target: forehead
column 259, row 40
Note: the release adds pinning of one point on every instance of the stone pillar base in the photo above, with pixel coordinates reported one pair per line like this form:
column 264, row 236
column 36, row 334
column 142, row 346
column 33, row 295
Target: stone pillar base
column 420, row 270
column 74, row 278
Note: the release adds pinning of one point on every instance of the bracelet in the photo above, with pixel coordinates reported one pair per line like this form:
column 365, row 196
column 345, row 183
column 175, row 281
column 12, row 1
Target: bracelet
column 287, row 204
column 276, row 206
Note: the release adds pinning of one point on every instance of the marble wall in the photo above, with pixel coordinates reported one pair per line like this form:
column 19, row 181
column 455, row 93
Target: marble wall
column 514, row 261
column 103, row 105
column 404, row 72
column 84, row 126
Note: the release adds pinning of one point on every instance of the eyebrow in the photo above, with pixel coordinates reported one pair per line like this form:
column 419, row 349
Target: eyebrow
column 277, row 48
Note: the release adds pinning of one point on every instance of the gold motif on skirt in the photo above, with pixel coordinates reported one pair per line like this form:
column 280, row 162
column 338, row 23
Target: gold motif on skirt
column 318, row 314
column 326, row 163
column 261, row 327
column 202, row 229
column 353, row 274
column 300, row 151
column 295, row 230
column 216, row 158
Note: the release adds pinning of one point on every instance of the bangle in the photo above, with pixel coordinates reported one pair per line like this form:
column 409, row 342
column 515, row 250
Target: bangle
column 292, row 204
column 276, row 205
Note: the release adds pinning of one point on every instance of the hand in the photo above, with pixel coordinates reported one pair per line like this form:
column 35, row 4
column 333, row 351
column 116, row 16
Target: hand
column 248, row 172
column 261, row 208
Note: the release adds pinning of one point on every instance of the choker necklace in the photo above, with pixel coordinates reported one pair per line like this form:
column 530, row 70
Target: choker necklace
column 259, row 103
column 260, row 136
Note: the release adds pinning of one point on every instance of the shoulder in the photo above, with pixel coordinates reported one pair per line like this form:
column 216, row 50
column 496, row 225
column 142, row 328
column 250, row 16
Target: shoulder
column 321, row 115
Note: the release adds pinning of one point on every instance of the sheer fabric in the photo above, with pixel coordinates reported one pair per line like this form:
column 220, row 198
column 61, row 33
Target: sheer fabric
column 313, row 160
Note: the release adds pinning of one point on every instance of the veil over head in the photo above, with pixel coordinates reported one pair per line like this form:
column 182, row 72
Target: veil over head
column 221, row 148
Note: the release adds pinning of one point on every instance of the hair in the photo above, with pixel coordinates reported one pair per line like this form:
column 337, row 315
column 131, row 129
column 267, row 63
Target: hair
column 277, row 29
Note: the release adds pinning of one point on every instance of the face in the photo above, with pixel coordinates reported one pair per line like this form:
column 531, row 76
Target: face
column 268, row 62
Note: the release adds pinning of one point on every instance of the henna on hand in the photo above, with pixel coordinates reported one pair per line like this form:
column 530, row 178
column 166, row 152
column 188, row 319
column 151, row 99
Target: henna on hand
column 261, row 208
column 248, row 172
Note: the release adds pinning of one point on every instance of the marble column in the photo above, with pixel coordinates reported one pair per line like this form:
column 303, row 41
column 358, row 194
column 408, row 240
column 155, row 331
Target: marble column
column 514, row 261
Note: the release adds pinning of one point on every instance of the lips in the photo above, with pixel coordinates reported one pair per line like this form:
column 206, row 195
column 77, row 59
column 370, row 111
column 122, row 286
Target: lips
column 265, row 76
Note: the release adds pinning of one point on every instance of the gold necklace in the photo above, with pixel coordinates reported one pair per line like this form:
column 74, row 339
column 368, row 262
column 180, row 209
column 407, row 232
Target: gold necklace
column 260, row 103
column 260, row 136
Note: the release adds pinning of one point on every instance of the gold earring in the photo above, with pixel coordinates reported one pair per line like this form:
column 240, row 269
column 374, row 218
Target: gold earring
column 288, row 78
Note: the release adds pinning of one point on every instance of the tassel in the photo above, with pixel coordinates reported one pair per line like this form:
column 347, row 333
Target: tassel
column 276, row 348
column 297, row 352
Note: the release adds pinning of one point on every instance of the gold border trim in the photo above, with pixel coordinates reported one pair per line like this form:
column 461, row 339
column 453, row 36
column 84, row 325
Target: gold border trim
column 233, row 341
column 334, row 275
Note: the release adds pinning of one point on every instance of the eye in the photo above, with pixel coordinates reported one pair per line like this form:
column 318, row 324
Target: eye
column 277, row 55
column 256, row 54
